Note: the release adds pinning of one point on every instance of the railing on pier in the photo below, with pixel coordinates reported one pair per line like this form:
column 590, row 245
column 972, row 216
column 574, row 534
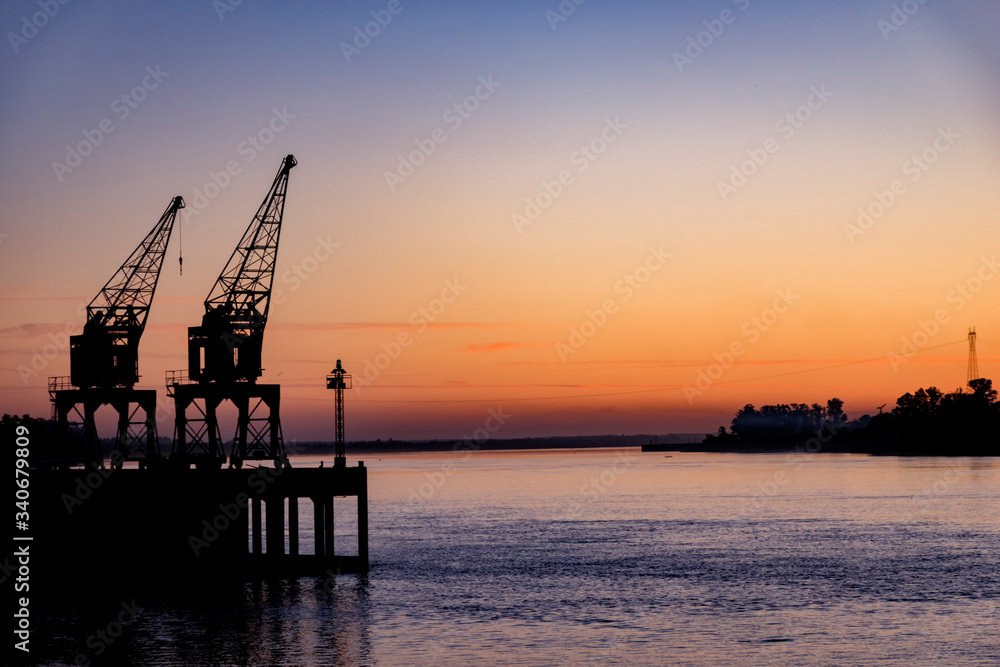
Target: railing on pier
column 59, row 383
column 175, row 378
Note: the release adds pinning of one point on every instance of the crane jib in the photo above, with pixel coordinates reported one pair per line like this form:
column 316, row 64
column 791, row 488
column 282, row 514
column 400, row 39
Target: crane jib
column 106, row 353
column 227, row 345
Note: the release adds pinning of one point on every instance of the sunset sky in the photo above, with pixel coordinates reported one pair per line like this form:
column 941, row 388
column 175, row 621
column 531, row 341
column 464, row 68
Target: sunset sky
column 568, row 217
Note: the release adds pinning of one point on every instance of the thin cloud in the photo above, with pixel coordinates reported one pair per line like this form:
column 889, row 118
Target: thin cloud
column 493, row 347
column 33, row 329
column 387, row 325
column 78, row 299
column 707, row 362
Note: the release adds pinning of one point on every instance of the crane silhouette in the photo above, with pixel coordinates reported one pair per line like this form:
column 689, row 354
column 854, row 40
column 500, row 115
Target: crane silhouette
column 104, row 358
column 224, row 352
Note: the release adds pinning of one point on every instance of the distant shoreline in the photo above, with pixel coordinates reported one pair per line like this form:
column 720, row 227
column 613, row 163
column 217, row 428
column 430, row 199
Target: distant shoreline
column 559, row 442
column 680, row 443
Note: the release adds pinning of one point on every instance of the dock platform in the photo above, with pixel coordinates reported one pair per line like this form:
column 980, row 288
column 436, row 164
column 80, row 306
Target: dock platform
column 169, row 523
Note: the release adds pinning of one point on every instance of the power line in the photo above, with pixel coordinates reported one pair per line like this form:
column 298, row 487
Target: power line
column 639, row 391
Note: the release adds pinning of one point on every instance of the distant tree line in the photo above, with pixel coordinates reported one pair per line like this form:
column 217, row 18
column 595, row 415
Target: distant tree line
column 41, row 434
column 963, row 422
column 47, row 443
column 39, row 428
column 931, row 422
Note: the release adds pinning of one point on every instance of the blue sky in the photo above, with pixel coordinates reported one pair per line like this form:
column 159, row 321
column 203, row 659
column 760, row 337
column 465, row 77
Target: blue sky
column 267, row 64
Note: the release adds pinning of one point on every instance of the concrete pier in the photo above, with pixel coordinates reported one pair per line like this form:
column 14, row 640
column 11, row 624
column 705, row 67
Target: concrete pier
column 187, row 523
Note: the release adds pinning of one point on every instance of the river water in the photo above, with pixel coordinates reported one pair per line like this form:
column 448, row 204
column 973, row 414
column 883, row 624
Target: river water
column 616, row 557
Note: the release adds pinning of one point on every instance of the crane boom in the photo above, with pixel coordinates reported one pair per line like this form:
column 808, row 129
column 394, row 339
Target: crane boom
column 106, row 353
column 227, row 346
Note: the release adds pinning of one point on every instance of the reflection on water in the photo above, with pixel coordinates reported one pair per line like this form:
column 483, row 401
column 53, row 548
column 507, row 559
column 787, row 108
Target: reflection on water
column 306, row 621
column 622, row 558
column 298, row 622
